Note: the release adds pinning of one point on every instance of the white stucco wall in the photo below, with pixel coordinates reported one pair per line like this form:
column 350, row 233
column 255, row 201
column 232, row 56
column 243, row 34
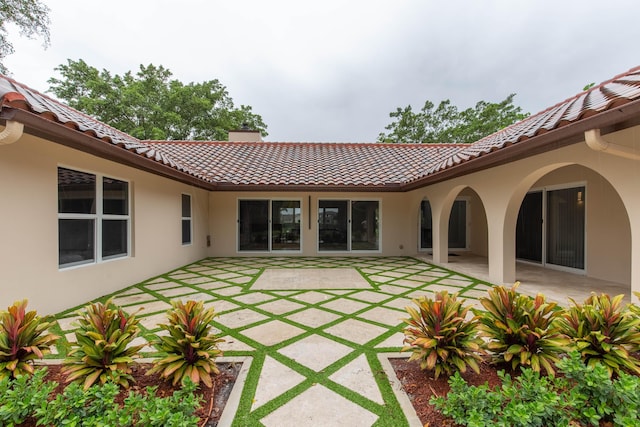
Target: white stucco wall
column 29, row 228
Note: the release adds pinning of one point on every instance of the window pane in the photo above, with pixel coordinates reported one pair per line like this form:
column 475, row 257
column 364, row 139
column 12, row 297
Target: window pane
column 426, row 227
column 332, row 230
column 76, row 192
column 565, row 227
column 254, row 225
column 364, row 226
column 115, row 197
column 114, row 237
column 186, row 231
column 186, row 206
column 75, row 241
column 285, row 227
column 529, row 228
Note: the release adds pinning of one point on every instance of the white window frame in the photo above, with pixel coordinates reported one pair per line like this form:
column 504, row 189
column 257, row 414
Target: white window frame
column 97, row 218
column 187, row 218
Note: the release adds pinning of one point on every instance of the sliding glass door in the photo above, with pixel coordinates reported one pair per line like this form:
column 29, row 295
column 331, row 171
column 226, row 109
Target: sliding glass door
column 345, row 225
column 269, row 225
column 458, row 231
column 551, row 227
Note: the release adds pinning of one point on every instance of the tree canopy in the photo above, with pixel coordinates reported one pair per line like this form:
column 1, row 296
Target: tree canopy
column 446, row 124
column 151, row 105
column 30, row 16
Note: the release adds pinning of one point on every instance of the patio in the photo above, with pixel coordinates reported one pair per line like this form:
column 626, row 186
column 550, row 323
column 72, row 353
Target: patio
column 314, row 334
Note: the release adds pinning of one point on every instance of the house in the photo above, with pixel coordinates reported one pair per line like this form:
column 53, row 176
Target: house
column 87, row 209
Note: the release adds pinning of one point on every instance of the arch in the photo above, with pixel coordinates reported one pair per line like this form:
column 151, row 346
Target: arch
column 608, row 226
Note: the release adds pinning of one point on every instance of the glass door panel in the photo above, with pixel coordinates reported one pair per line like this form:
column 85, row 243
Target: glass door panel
column 364, row 226
column 529, row 228
column 332, row 225
column 253, row 222
column 285, row 225
column 458, row 225
column 426, row 225
column 565, row 227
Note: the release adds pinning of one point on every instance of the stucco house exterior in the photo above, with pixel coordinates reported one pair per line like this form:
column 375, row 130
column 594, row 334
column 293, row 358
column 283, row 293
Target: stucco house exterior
column 87, row 209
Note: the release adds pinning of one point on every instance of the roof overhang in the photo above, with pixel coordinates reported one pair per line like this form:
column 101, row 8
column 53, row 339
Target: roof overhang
column 37, row 125
column 612, row 120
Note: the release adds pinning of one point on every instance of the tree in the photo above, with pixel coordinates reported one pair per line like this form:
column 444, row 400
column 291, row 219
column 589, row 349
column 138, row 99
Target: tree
column 151, row 105
column 446, row 124
column 30, row 16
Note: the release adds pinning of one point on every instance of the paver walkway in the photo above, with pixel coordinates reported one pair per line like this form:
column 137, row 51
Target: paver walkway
column 315, row 351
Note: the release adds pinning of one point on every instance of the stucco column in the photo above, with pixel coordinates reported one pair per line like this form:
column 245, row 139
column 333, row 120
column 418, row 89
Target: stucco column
column 502, row 242
column 440, row 229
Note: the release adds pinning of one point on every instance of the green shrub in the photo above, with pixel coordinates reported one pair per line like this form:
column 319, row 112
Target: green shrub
column 596, row 397
column 102, row 351
column 529, row 400
column 190, row 349
column 95, row 407
column 521, row 330
column 440, row 336
column 603, row 331
column 22, row 396
column 23, row 338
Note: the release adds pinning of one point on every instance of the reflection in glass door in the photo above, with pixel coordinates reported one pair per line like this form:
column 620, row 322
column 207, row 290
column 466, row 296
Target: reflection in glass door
column 285, row 225
column 253, row 221
column 566, row 227
column 332, row 225
column 364, row 226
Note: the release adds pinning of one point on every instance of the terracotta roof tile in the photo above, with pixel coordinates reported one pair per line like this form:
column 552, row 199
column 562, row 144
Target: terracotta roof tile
column 324, row 164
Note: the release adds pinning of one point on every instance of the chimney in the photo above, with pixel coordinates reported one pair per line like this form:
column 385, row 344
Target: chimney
column 244, row 134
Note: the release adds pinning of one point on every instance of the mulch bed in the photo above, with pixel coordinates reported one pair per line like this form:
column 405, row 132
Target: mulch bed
column 420, row 387
column 214, row 399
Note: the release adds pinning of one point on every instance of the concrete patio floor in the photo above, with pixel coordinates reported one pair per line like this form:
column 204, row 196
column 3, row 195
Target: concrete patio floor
column 556, row 285
column 315, row 334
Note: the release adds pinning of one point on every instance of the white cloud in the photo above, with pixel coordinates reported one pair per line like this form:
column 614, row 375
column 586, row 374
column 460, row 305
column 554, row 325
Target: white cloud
column 333, row 70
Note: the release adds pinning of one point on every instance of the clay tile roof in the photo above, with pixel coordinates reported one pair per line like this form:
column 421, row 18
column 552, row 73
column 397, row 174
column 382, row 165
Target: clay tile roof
column 299, row 164
column 367, row 166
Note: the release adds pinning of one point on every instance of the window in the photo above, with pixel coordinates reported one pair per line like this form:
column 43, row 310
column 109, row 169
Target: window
column 345, row 225
column 269, row 225
column 93, row 218
column 186, row 219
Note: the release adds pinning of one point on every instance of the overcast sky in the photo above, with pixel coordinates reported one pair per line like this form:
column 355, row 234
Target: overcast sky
column 333, row 70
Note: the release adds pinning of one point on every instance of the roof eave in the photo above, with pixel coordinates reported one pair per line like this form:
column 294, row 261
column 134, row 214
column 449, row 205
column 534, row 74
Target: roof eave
column 386, row 188
column 63, row 135
column 612, row 120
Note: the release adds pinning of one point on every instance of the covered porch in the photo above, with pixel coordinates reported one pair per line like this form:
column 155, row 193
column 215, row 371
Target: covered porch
column 556, row 285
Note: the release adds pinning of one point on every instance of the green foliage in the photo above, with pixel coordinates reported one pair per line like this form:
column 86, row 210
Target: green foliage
column 102, row 351
column 30, row 16
column 529, row 400
column 440, row 336
column 603, row 331
column 446, row 124
column 521, row 330
column 151, row 105
column 23, row 338
column 190, row 349
column 596, row 397
column 95, row 407
column 22, row 396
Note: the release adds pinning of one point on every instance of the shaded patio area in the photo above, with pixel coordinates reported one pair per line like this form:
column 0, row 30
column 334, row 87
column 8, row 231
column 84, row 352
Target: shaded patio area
column 554, row 284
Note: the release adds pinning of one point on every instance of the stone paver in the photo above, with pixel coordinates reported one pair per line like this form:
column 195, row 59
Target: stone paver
column 314, row 329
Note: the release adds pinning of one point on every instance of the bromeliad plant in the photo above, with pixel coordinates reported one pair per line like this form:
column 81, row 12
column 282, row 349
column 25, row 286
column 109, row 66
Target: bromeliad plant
column 440, row 336
column 103, row 351
column 190, row 349
column 23, row 338
column 604, row 331
column 521, row 330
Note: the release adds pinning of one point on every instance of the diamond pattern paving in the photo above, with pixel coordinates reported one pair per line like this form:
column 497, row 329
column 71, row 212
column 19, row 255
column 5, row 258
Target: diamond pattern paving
column 314, row 348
